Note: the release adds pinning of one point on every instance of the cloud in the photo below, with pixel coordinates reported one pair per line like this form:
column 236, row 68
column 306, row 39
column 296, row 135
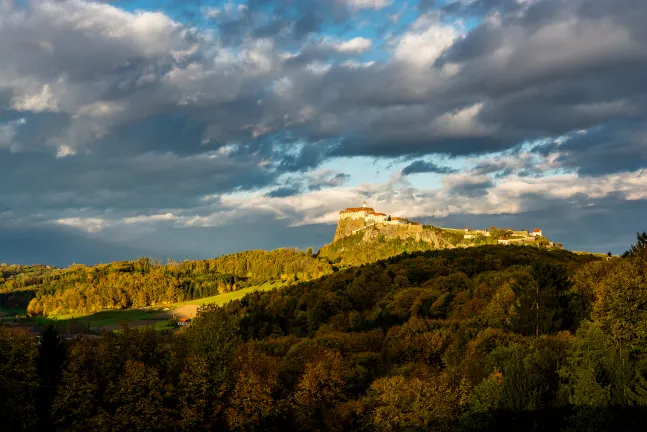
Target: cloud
column 355, row 45
column 421, row 166
column 8, row 131
column 284, row 191
column 111, row 120
column 368, row 4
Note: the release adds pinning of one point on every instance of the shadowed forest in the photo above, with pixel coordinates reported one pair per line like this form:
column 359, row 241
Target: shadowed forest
column 485, row 338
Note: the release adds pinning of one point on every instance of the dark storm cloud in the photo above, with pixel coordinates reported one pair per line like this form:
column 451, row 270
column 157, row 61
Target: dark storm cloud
column 471, row 189
column 313, row 182
column 554, row 78
column 62, row 247
column 327, row 180
column 59, row 247
column 421, row 166
column 33, row 181
column 284, row 191
column 611, row 148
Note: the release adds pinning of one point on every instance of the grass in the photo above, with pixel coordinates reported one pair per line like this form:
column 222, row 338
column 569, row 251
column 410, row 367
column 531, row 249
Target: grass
column 221, row 299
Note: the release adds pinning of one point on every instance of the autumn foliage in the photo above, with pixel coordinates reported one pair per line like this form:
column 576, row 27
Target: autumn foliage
column 492, row 338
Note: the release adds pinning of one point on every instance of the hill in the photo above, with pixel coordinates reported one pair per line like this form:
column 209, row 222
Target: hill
column 484, row 338
column 144, row 282
column 364, row 236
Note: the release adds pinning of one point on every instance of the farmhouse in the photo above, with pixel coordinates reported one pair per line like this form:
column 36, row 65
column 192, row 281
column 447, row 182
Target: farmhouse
column 182, row 322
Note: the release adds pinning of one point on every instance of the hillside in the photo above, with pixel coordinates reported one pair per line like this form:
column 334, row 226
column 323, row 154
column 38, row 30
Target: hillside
column 364, row 236
column 144, row 282
column 448, row 340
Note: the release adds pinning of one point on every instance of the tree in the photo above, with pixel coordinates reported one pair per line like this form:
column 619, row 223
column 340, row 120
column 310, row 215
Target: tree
column 542, row 304
column 319, row 391
column 138, row 398
column 252, row 400
column 51, row 356
column 620, row 302
column 18, row 379
column 77, row 405
column 401, row 403
column 194, row 394
column 638, row 249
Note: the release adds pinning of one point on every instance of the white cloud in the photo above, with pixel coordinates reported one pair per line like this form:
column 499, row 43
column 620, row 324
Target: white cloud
column 100, row 109
column 90, row 225
column 211, row 12
column 37, row 101
column 510, row 195
column 151, row 218
column 425, row 41
column 368, row 4
column 462, row 123
column 354, row 46
column 64, row 150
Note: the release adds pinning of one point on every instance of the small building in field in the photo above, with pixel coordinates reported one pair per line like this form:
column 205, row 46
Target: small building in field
column 536, row 233
column 182, row 322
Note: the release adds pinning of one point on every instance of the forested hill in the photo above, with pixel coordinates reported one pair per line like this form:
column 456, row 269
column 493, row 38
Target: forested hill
column 468, row 339
column 144, row 282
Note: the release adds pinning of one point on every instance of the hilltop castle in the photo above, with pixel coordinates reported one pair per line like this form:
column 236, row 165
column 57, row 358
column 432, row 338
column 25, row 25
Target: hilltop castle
column 368, row 214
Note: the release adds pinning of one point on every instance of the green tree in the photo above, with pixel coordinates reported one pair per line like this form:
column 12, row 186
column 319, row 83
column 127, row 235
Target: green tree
column 138, row 399
column 638, row 249
column 543, row 303
column 51, row 356
column 18, row 379
column 319, row 391
column 194, row 394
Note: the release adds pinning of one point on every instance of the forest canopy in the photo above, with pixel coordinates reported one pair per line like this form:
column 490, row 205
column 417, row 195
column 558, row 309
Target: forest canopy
column 485, row 338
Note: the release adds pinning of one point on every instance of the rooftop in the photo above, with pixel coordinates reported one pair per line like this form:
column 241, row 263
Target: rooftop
column 358, row 209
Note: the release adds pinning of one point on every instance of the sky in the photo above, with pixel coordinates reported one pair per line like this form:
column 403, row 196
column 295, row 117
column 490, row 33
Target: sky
column 189, row 129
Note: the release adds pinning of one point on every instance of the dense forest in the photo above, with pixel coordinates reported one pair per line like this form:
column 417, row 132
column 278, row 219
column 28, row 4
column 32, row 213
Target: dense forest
column 487, row 338
column 144, row 282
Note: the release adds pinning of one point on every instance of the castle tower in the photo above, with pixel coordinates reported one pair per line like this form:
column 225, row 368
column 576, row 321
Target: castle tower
column 364, row 205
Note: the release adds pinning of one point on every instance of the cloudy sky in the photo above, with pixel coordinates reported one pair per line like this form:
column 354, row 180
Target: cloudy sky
column 189, row 129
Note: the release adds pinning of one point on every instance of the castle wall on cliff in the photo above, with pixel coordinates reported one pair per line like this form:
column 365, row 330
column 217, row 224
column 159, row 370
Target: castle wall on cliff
column 355, row 219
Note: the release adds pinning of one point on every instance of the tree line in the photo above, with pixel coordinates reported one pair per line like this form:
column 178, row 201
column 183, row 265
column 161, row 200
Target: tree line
column 145, row 282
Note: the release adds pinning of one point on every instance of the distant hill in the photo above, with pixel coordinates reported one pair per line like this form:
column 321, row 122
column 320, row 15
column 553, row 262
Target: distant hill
column 145, row 282
column 364, row 236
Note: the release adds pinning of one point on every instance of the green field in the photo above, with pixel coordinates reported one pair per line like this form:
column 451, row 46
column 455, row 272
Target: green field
column 110, row 319
column 227, row 297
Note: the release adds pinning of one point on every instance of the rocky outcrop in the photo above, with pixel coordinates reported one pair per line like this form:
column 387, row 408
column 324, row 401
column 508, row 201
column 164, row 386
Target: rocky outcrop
column 373, row 231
